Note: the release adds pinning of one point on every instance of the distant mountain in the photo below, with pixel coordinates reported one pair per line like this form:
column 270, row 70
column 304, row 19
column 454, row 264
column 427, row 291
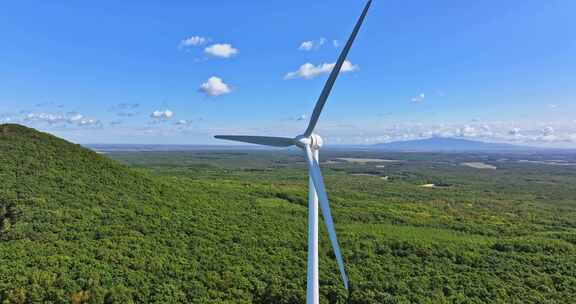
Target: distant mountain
column 444, row 144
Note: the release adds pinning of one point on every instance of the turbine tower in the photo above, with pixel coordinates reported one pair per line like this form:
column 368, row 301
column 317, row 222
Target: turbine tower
column 311, row 143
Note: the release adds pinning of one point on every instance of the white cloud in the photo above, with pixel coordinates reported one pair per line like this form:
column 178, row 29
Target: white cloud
column 214, row 86
column 310, row 45
column 49, row 118
column 193, row 41
column 88, row 122
column 419, row 98
column 309, row 71
column 223, row 50
column 336, row 43
column 162, row 114
column 183, row 122
column 306, row 45
column 76, row 117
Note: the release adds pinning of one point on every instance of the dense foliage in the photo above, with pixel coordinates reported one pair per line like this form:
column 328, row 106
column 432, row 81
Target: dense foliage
column 230, row 227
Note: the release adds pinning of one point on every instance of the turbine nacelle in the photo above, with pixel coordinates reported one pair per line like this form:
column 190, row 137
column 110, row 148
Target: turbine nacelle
column 314, row 141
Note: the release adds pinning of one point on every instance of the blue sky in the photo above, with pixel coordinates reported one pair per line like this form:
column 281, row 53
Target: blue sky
column 181, row 71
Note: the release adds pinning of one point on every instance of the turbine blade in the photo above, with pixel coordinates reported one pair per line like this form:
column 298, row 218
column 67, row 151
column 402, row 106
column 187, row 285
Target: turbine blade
column 260, row 140
column 334, row 74
column 316, row 175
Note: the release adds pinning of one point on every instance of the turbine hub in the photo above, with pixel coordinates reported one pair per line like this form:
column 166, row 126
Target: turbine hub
column 314, row 141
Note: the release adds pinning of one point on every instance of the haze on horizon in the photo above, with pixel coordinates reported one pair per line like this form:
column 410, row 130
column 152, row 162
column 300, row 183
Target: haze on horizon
column 179, row 72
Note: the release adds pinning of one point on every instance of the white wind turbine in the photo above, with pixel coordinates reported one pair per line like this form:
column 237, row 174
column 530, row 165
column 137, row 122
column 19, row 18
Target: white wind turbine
column 311, row 144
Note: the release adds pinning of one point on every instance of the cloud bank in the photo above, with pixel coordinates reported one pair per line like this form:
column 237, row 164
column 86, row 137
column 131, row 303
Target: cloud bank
column 68, row 119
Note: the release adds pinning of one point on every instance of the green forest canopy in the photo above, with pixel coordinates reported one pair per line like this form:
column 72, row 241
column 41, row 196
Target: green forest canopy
column 79, row 227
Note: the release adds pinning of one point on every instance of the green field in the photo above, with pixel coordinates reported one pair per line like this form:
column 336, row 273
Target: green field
column 229, row 226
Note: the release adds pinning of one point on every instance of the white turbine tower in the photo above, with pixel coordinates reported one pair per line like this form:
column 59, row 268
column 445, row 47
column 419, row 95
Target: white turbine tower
column 311, row 144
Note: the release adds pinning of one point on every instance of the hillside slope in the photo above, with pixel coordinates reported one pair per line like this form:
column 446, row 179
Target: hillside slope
column 82, row 226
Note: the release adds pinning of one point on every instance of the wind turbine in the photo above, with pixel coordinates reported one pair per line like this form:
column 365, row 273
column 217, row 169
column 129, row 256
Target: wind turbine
column 311, row 144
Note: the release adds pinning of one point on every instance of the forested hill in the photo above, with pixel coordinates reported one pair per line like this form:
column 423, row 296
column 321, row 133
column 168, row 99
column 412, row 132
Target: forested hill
column 34, row 163
column 50, row 182
column 77, row 225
